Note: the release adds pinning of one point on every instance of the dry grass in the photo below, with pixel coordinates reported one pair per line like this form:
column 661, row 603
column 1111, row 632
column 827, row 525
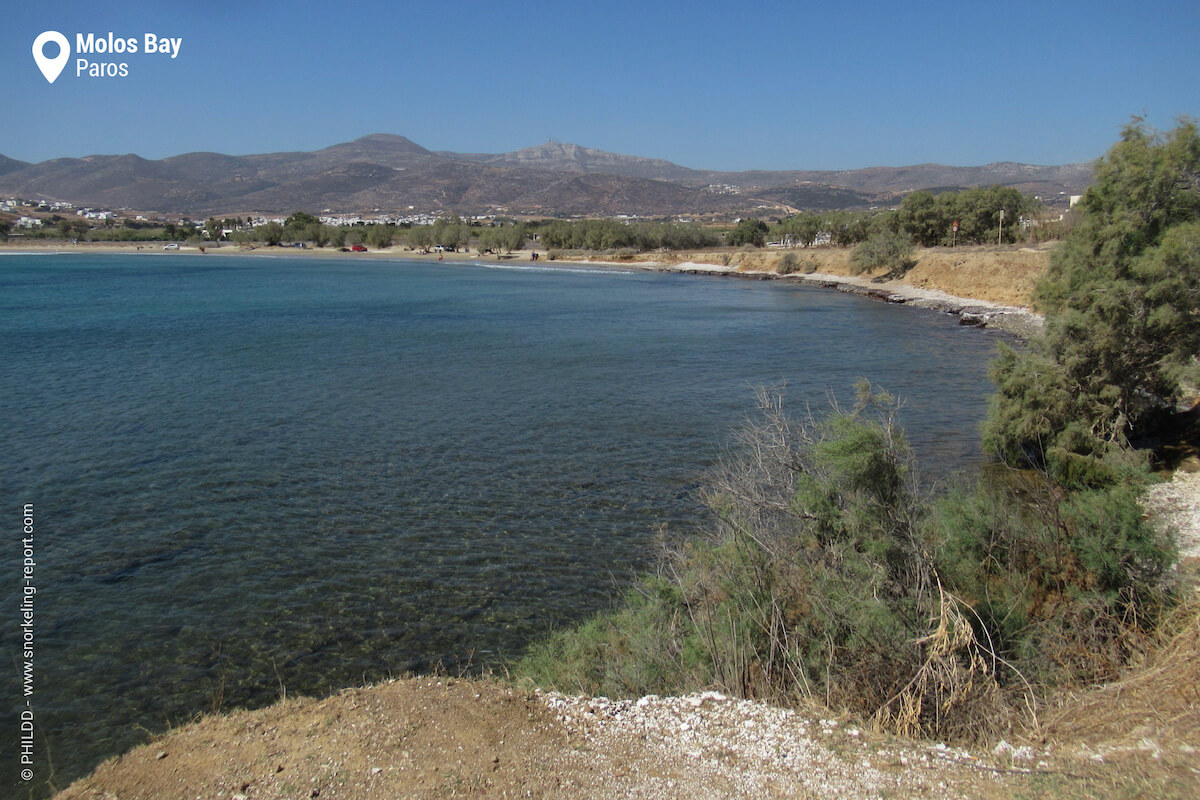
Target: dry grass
column 1004, row 275
column 1143, row 731
column 1159, row 701
column 999, row 275
column 957, row 679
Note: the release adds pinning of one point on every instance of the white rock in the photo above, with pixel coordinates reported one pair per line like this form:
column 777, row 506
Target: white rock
column 1023, row 754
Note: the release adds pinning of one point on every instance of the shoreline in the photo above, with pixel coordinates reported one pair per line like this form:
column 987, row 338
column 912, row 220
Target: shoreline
column 1016, row 320
column 827, row 271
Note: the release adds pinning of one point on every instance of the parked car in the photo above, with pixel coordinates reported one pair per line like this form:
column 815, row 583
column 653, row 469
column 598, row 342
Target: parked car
column 171, row 246
column 358, row 248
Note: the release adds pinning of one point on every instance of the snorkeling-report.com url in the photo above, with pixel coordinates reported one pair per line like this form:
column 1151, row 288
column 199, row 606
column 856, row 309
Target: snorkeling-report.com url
column 25, row 617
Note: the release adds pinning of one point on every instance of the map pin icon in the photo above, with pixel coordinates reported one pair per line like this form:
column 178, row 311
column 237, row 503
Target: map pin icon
column 51, row 67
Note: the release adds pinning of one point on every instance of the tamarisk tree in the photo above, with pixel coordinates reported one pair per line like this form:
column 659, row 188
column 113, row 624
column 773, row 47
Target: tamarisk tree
column 1122, row 306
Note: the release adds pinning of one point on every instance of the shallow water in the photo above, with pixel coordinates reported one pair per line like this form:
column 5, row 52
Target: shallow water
column 252, row 473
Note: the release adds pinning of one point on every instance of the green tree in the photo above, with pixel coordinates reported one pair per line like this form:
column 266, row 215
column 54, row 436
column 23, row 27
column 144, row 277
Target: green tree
column 1120, row 298
column 421, row 237
column 1064, row 583
column 503, row 237
column 449, row 232
column 556, row 235
column 980, row 212
column 802, row 228
column 299, row 227
column 749, row 231
column 299, row 219
column 317, row 233
column 381, row 236
column 270, row 234
column 883, row 249
column 928, row 218
column 847, row 227
column 923, row 218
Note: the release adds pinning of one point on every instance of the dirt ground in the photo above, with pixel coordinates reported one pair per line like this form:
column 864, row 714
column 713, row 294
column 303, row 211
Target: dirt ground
column 445, row 738
column 1002, row 275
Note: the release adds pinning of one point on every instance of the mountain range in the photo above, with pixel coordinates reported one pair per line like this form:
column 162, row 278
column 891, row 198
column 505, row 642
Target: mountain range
column 391, row 174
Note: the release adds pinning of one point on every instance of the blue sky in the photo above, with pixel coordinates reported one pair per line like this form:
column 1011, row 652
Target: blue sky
column 753, row 85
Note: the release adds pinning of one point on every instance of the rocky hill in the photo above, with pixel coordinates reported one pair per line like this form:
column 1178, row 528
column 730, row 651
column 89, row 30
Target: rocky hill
column 389, row 173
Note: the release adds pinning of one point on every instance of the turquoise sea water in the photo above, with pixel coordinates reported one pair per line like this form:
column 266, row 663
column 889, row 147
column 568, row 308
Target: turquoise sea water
column 252, row 473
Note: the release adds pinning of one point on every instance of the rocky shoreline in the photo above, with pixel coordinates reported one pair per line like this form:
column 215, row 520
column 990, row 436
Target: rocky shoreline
column 1015, row 320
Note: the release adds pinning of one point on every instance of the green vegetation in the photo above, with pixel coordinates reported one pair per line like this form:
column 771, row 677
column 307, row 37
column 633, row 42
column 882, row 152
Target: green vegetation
column 73, row 229
column 788, row 263
column 748, row 231
column 828, row 572
column 503, row 237
column 607, row 234
column 883, row 249
column 270, row 234
column 1122, row 331
column 838, row 228
column 985, row 215
column 924, row 218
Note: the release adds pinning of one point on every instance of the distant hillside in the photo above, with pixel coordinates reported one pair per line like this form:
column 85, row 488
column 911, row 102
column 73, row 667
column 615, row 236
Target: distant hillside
column 11, row 165
column 379, row 148
column 1069, row 179
column 564, row 157
column 390, row 173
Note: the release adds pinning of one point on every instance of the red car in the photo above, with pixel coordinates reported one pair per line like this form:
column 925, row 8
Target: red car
column 358, row 248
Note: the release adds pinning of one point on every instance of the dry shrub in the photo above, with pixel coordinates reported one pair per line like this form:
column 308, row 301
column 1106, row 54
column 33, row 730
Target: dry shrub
column 1159, row 699
column 955, row 691
column 1090, row 640
column 814, row 583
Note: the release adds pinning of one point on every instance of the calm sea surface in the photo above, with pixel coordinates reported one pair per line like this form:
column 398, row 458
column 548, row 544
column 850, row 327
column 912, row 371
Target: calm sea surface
column 254, row 472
